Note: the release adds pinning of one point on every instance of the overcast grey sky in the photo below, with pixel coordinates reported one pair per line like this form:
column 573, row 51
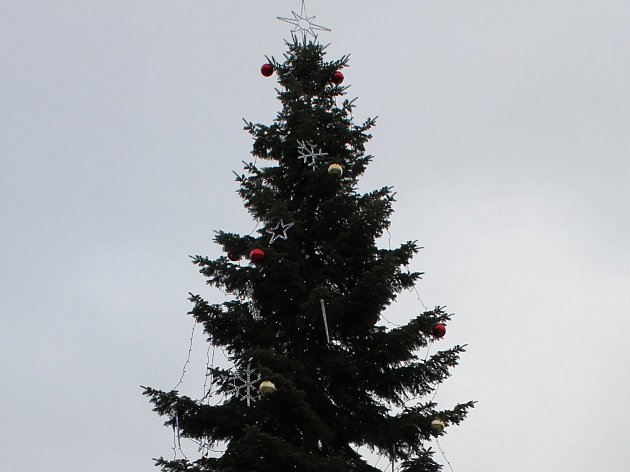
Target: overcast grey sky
column 504, row 127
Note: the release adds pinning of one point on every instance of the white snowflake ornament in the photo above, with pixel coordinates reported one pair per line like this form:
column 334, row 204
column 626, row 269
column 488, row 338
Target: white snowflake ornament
column 244, row 385
column 308, row 152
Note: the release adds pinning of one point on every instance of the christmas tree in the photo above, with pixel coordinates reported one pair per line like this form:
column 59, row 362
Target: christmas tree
column 315, row 373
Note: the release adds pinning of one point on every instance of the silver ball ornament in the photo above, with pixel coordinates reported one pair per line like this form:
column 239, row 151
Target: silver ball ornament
column 335, row 169
column 266, row 387
column 437, row 425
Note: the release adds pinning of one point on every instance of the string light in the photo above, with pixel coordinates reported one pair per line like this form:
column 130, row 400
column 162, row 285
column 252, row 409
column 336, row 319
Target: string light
column 437, row 384
column 175, row 434
column 177, row 443
column 435, row 392
column 209, row 374
column 428, row 350
column 444, row 455
column 192, row 336
column 255, row 228
column 389, row 239
column 420, row 299
column 391, row 323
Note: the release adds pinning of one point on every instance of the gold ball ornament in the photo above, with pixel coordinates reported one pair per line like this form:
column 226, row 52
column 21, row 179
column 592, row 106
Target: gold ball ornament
column 266, row 387
column 437, row 425
column 335, row 169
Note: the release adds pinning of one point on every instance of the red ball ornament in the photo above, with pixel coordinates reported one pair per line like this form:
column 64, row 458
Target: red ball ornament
column 233, row 256
column 266, row 70
column 337, row 77
column 256, row 255
column 439, row 330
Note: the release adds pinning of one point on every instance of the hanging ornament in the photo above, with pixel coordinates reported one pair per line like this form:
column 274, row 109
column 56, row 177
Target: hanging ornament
column 325, row 317
column 308, row 152
column 266, row 388
column 337, row 77
column 437, row 425
column 243, row 385
column 251, row 303
column 254, row 310
column 439, row 330
column 266, row 70
column 233, row 256
column 335, row 169
column 256, row 255
column 279, row 232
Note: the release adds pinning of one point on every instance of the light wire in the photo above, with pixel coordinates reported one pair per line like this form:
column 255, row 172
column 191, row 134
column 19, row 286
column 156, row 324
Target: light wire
column 444, row 455
column 192, row 336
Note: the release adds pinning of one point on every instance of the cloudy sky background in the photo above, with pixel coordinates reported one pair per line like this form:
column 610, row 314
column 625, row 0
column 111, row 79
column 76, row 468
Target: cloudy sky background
column 504, row 127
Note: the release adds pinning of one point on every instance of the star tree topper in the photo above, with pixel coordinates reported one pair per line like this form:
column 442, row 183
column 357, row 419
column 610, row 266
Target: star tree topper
column 303, row 23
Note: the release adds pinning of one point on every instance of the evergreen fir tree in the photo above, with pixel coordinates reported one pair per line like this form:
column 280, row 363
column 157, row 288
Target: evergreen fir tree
column 338, row 385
